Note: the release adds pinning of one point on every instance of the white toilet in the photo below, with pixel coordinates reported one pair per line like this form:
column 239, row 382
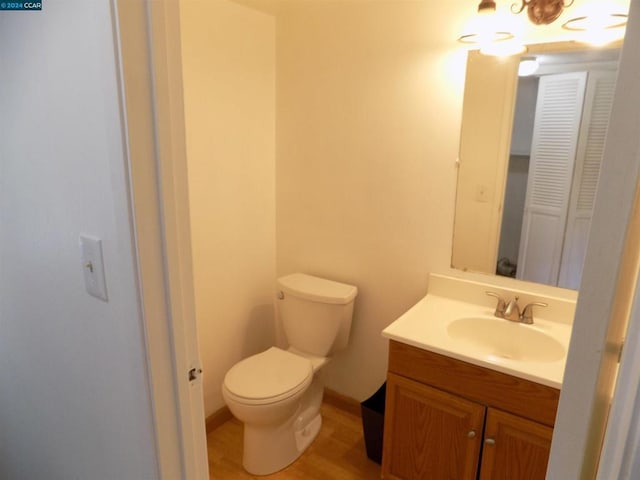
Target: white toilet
column 277, row 393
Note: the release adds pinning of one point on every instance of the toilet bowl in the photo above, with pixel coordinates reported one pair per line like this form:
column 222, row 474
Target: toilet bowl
column 277, row 393
column 266, row 392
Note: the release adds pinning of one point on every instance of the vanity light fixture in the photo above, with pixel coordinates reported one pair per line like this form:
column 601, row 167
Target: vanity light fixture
column 598, row 28
column 488, row 31
column 541, row 12
column 491, row 29
column 482, row 29
column 608, row 21
column 505, row 48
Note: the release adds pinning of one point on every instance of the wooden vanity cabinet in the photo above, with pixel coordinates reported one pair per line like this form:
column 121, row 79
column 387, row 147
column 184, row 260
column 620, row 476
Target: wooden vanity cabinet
column 514, row 447
column 449, row 420
column 432, row 434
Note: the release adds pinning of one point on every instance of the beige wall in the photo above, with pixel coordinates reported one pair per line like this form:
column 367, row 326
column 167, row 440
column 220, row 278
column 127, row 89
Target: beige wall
column 369, row 98
column 229, row 86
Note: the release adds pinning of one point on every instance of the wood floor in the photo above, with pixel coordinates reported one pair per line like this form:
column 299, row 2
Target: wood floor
column 338, row 453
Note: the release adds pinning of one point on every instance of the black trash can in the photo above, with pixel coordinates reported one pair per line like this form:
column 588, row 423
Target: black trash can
column 373, row 423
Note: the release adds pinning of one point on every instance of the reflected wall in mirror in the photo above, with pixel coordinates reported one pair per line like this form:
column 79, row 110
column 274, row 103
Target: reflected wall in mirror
column 530, row 154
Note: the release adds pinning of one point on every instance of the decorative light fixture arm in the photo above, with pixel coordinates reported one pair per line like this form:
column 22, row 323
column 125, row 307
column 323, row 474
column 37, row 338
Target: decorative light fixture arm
column 542, row 12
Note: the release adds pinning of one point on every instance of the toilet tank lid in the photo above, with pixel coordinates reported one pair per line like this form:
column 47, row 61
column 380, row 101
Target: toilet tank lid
column 317, row 289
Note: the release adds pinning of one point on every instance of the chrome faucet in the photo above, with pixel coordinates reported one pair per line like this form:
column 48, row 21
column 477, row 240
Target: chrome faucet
column 511, row 310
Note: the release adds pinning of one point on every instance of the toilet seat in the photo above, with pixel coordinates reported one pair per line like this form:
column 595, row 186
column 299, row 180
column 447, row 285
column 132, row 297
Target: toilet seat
column 268, row 377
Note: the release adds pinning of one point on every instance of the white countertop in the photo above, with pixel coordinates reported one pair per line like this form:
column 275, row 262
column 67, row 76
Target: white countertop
column 426, row 326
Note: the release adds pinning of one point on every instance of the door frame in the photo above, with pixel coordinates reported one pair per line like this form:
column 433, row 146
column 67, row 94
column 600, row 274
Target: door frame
column 149, row 31
column 607, row 288
column 147, row 42
column 620, row 456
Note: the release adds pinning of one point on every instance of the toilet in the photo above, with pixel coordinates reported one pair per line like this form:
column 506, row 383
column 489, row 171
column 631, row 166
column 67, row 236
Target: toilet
column 277, row 393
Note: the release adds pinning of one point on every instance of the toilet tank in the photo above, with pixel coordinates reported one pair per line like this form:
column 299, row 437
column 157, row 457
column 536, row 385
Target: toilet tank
column 316, row 313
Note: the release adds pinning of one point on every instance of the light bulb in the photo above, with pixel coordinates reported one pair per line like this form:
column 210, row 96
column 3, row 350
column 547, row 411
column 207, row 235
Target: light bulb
column 598, row 24
column 490, row 30
column 504, row 48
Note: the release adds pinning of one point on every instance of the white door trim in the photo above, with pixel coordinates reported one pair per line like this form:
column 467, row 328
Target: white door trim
column 151, row 91
column 602, row 308
column 174, row 198
column 620, row 457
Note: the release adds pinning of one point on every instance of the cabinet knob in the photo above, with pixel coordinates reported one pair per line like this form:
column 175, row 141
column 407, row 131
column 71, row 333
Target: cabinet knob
column 490, row 441
column 471, row 434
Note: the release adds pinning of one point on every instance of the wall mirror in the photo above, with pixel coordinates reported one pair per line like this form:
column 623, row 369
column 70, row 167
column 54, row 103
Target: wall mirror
column 530, row 154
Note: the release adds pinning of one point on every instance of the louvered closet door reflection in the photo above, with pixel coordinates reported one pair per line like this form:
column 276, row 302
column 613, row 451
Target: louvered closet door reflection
column 593, row 131
column 553, row 152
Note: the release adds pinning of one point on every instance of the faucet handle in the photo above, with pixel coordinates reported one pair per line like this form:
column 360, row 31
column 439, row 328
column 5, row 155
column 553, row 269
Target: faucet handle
column 500, row 305
column 527, row 312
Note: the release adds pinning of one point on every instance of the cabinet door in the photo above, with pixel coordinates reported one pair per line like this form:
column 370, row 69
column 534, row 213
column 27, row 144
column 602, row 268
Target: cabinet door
column 429, row 434
column 514, row 448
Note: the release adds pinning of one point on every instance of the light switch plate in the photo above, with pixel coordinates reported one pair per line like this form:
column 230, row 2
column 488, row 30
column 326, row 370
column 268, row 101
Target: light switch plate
column 483, row 194
column 93, row 266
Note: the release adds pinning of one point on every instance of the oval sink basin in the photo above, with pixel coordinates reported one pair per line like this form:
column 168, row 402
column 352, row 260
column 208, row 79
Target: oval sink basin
column 502, row 339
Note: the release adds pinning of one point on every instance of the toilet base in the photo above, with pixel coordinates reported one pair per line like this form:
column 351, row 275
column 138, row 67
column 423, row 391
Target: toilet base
column 306, row 435
column 268, row 450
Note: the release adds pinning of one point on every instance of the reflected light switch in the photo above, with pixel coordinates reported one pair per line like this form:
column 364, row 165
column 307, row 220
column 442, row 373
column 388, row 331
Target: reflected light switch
column 482, row 194
column 93, row 266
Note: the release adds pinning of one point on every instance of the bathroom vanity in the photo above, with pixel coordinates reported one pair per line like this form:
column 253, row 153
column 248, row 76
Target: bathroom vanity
column 470, row 395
